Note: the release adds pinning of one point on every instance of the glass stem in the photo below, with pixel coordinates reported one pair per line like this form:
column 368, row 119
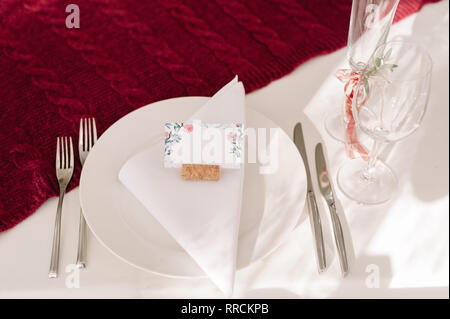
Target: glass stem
column 369, row 170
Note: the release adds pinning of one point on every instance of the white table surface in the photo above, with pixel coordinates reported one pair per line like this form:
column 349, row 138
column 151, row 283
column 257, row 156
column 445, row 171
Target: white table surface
column 403, row 243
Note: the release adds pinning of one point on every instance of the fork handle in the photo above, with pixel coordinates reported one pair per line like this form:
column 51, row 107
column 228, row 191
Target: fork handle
column 82, row 241
column 53, row 272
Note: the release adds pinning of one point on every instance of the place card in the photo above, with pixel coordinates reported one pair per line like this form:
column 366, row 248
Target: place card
column 203, row 144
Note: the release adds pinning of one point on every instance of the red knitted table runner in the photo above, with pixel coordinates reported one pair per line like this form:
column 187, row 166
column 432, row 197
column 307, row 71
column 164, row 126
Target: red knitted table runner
column 127, row 54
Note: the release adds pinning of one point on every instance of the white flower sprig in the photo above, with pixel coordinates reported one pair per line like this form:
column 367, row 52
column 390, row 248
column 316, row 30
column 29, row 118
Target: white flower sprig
column 380, row 66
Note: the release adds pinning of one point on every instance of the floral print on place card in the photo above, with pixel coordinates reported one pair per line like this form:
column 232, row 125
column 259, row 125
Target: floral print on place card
column 203, row 143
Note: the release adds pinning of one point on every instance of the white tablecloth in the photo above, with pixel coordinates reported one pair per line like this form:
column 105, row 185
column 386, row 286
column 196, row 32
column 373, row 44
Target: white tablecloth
column 400, row 248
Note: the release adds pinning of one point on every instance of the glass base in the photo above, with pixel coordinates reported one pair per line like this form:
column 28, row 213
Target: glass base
column 335, row 127
column 376, row 189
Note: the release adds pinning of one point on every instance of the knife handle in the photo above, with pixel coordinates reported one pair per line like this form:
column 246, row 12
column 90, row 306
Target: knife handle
column 339, row 239
column 316, row 226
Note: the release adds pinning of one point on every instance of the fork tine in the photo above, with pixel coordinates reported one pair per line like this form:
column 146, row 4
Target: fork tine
column 63, row 155
column 80, row 137
column 71, row 153
column 94, row 131
column 66, row 155
column 89, row 134
column 85, row 146
column 58, row 162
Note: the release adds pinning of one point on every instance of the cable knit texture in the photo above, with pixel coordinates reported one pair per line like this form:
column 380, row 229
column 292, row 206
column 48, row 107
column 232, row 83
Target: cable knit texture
column 127, row 54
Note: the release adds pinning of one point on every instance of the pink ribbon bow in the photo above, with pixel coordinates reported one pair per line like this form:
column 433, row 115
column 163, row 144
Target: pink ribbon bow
column 352, row 79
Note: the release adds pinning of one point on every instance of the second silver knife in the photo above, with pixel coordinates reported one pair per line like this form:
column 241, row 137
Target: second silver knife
column 314, row 217
column 327, row 192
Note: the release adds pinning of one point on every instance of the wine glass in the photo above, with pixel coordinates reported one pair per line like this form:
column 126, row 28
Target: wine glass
column 390, row 103
column 370, row 23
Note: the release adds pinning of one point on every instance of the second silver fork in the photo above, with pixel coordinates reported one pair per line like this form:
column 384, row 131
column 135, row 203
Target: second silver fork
column 64, row 172
column 86, row 140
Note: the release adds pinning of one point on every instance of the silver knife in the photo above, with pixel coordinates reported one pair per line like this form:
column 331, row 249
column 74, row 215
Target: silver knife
column 314, row 217
column 327, row 192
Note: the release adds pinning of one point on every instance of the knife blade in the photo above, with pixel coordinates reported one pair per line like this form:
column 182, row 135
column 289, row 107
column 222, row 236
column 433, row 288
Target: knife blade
column 314, row 217
column 327, row 192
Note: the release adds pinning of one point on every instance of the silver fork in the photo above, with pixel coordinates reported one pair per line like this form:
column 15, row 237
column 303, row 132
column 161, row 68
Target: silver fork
column 64, row 172
column 86, row 140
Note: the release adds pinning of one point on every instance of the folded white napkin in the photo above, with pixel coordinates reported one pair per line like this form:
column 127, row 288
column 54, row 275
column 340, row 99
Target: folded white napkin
column 202, row 216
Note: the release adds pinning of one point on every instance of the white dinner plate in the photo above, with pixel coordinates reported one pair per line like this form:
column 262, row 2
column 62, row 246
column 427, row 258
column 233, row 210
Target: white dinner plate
column 271, row 205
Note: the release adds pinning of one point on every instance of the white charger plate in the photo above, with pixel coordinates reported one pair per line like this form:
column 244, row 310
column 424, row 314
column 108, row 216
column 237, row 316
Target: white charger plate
column 271, row 205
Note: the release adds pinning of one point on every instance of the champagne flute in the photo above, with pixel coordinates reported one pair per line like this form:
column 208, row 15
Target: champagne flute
column 370, row 23
column 390, row 104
